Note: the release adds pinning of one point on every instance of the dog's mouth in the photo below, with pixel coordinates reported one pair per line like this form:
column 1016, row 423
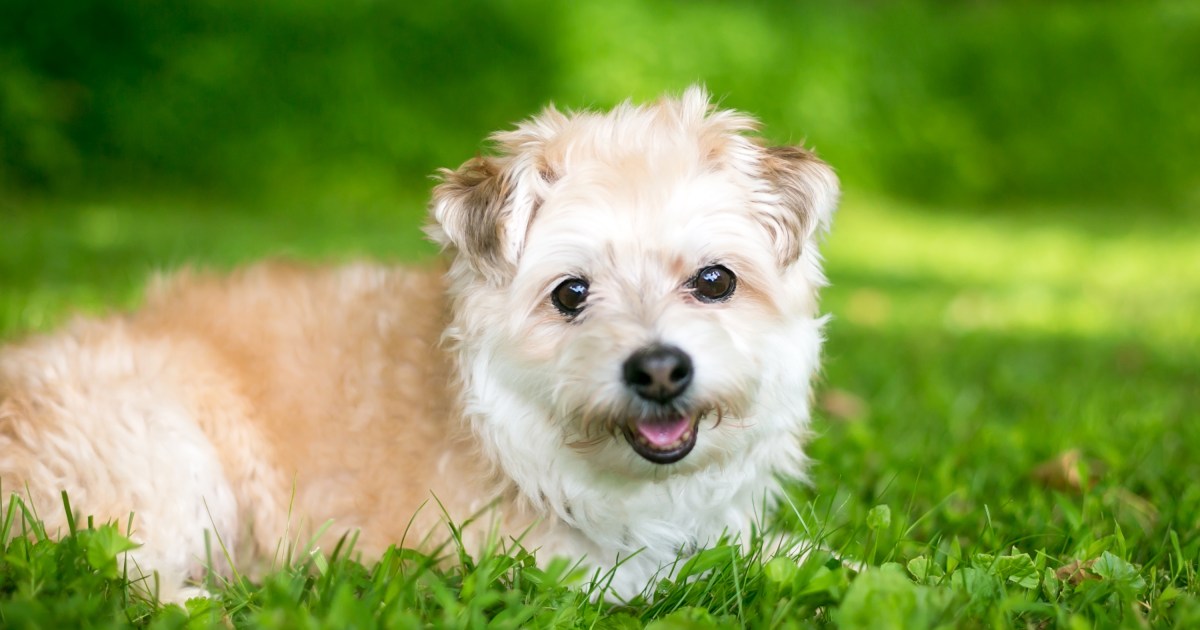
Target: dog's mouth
column 662, row 439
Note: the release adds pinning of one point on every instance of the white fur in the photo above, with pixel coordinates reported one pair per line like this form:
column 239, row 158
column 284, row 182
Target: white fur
column 144, row 448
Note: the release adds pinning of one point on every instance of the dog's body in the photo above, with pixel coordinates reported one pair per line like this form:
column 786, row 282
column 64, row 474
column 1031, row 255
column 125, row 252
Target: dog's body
column 617, row 362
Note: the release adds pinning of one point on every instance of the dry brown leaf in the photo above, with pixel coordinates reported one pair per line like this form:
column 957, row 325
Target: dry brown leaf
column 1076, row 572
column 843, row 405
column 1061, row 472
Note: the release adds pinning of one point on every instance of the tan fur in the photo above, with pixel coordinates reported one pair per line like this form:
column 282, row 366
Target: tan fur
column 325, row 382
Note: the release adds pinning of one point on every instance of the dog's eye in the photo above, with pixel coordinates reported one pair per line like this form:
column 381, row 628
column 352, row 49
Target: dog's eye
column 568, row 297
column 714, row 284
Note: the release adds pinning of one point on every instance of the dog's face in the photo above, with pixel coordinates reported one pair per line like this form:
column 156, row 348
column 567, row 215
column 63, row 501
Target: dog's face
column 637, row 277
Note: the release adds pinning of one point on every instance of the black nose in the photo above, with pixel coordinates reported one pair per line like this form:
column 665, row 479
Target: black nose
column 658, row 373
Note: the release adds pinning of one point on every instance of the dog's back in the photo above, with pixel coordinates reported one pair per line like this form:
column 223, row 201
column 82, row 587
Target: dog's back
column 208, row 407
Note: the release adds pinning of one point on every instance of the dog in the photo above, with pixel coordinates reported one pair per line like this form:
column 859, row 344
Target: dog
column 613, row 363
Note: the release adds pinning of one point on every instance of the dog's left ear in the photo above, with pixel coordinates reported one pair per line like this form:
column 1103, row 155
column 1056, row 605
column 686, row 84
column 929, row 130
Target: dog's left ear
column 807, row 191
column 482, row 211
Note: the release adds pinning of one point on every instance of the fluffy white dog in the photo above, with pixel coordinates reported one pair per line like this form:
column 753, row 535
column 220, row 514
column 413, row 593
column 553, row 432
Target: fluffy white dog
column 616, row 364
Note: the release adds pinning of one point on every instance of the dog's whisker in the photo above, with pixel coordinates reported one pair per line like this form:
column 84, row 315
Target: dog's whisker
column 585, row 444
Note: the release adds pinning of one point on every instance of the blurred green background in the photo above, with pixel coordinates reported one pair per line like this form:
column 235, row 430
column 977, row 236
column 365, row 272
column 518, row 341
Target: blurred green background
column 968, row 103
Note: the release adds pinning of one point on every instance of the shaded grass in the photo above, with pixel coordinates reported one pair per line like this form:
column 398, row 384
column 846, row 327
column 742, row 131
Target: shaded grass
column 931, row 100
column 1023, row 396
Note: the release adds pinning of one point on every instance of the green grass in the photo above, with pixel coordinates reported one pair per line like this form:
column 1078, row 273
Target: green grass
column 1005, row 396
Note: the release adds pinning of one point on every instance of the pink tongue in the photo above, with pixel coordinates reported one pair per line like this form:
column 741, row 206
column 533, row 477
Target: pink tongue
column 664, row 433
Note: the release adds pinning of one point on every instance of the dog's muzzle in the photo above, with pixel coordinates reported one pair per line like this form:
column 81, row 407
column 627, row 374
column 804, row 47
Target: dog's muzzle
column 660, row 374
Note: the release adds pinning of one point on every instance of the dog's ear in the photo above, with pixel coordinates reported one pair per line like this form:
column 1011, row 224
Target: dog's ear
column 807, row 192
column 482, row 211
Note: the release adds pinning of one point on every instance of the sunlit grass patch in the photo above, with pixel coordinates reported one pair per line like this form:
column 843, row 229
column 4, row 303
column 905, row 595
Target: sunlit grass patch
column 1050, row 272
column 1022, row 383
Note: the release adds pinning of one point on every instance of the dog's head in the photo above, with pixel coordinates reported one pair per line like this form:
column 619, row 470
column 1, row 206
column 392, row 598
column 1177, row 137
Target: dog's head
column 638, row 281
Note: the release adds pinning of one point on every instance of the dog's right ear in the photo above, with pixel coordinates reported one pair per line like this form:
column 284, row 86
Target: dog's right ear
column 482, row 211
column 808, row 193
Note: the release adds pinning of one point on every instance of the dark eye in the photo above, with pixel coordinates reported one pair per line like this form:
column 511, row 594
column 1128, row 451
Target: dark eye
column 570, row 295
column 714, row 284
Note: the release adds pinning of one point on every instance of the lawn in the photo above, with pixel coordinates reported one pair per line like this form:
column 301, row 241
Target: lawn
column 1007, row 433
